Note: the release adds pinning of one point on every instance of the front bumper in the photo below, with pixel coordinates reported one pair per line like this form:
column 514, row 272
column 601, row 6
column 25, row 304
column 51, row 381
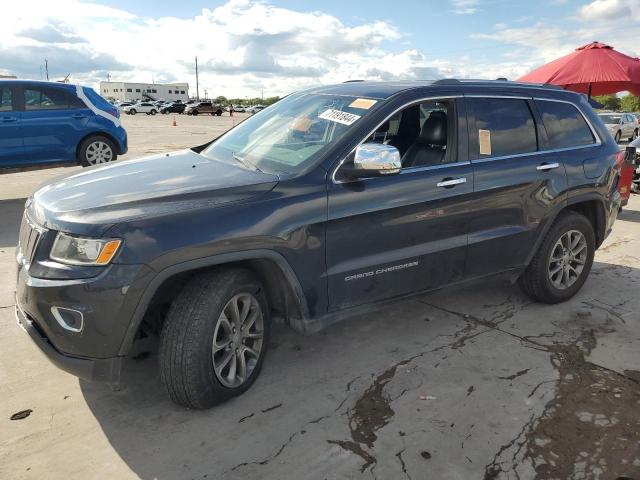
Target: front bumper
column 92, row 369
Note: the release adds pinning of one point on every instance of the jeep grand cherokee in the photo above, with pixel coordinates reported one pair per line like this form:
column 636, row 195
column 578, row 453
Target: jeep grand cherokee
column 321, row 205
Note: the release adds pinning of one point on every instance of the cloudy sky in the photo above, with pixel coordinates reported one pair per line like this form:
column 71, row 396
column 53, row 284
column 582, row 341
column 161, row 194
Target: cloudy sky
column 245, row 47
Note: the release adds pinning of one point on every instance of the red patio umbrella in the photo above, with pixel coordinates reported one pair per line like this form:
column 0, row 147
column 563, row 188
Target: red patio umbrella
column 594, row 69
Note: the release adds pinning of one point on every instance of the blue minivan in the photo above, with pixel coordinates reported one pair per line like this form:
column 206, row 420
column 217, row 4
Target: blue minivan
column 44, row 124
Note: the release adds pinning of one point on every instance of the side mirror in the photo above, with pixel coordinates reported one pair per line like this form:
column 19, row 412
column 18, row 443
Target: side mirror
column 374, row 160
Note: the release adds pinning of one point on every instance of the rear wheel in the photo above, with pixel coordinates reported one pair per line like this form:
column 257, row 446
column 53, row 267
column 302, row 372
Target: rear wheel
column 634, row 136
column 618, row 136
column 153, row 112
column 132, row 111
column 96, row 150
column 214, row 338
column 563, row 261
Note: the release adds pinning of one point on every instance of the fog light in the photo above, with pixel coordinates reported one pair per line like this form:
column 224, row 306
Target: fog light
column 68, row 319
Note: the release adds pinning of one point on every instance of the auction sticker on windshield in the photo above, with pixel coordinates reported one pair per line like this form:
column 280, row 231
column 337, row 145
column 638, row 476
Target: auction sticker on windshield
column 344, row 118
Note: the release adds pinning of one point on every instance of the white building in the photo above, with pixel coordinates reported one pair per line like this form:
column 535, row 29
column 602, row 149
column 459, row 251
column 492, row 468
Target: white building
column 124, row 91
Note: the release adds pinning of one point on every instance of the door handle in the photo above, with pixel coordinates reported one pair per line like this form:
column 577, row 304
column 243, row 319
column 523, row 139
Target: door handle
column 547, row 166
column 78, row 115
column 9, row 119
column 451, row 182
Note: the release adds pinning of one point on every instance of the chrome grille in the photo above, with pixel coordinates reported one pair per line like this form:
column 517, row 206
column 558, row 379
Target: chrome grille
column 28, row 239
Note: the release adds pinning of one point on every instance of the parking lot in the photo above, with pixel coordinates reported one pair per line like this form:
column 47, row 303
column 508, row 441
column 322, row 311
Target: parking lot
column 471, row 383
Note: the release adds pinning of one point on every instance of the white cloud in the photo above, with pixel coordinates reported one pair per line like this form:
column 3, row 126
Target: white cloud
column 243, row 46
column 598, row 10
column 465, row 7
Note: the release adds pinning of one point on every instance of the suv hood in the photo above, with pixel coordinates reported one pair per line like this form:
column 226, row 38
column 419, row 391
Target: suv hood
column 91, row 201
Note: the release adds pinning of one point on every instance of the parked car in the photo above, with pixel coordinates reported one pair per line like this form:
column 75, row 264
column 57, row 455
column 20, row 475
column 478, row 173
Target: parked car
column 141, row 107
column 174, row 107
column 44, row 124
column 635, row 162
column 239, row 109
column 319, row 208
column 200, row 108
column 121, row 105
column 255, row 109
column 621, row 125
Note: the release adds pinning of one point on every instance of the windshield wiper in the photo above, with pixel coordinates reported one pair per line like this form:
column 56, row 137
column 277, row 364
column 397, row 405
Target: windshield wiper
column 245, row 162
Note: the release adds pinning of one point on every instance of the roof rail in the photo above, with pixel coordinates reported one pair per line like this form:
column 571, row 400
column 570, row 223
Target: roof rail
column 446, row 81
column 353, row 81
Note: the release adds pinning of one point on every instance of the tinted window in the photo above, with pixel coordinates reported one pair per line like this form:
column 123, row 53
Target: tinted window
column 502, row 127
column 6, row 96
column 44, row 98
column 565, row 125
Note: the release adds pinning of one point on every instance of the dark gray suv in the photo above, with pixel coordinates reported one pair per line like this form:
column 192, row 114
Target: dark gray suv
column 316, row 208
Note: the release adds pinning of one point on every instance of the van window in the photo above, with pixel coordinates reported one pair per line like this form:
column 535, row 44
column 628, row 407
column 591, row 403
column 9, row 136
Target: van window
column 503, row 126
column 565, row 125
column 6, row 97
column 46, row 98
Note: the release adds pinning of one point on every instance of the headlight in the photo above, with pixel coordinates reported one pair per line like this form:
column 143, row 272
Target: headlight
column 83, row 251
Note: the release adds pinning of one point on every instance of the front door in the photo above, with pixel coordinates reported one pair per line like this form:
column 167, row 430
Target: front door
column 11, row 149
column 394, row 235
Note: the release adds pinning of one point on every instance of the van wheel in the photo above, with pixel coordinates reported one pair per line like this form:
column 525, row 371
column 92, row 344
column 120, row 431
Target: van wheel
column 214, row 338
column 563, row 261
column 96, row 150
column 618, row 136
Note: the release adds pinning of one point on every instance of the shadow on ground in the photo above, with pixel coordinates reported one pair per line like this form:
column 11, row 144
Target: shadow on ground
column 516, row 392
column 11, row 215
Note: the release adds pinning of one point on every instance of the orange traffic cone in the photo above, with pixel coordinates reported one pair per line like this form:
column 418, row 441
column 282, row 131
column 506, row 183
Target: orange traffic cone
column 174, row 124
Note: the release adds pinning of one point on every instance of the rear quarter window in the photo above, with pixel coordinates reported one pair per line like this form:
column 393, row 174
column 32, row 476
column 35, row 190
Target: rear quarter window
column 503, row 126
column 565, row 125
column 100, row 102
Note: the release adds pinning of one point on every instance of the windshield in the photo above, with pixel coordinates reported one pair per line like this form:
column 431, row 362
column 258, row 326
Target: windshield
column 290, row 135
column 611, row 119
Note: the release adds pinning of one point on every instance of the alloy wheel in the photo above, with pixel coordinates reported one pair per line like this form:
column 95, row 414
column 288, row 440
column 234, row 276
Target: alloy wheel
column 237, row 340
column 99, row 152
column 568, row 258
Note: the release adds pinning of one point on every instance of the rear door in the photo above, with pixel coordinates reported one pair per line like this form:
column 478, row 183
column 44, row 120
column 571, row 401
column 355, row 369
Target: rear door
column 516, row 185
column 53, row 122
column 11, row 148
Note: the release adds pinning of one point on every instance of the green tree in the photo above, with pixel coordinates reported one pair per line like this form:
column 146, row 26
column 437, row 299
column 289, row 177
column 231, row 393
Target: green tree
column 630, row 103
column 610, row 102
column 221, row 100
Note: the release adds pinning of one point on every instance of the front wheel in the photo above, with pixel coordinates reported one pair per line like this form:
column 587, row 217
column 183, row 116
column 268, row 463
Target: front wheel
column 563, row 261
column 214, row 338
column 195, row 112
column 96, row 150
column 132, row 111
column 153, row 112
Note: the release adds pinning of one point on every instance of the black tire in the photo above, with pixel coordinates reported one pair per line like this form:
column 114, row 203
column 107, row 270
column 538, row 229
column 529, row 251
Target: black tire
column 535, row 280
column 132, row 111
column 618, row 136
column 634, row 135
column 219, row 113
column 153, row 112
column 195, row 112
column 185, row 354
column 83, row 150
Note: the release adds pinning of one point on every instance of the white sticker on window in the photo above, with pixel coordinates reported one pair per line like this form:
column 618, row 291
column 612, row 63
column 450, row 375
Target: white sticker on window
column 344, row 118
column 484, row 138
